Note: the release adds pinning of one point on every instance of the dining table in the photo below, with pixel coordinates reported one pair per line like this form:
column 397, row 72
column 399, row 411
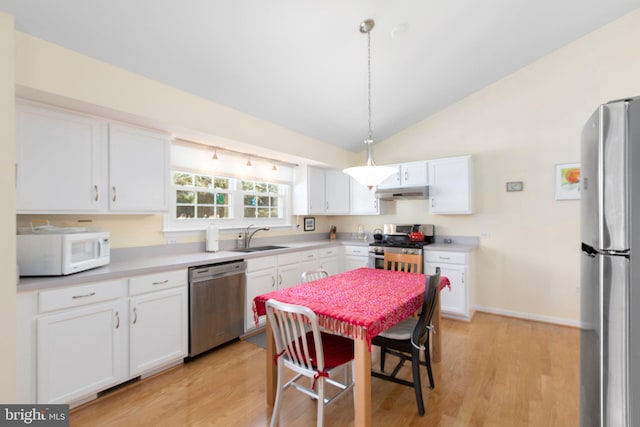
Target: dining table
column 358, row 304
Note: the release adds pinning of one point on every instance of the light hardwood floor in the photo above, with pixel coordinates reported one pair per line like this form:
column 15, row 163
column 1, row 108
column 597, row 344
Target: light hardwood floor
column 496, row 371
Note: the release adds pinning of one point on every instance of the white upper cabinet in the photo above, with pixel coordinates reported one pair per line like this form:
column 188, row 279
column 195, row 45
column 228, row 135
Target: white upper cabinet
column 411, row 174
column 450, row 190
column 336, row 192
column 363, row 200
column 320, row 192
column 58, row 156
column 138, row 169
column 70, row 163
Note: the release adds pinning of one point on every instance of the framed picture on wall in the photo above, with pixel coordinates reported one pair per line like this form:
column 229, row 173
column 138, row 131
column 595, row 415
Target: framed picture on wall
column 568, row 181
column 309, row 223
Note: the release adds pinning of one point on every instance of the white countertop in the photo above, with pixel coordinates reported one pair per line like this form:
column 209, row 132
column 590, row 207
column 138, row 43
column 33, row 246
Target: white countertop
column 156, row 264
column 450, row 247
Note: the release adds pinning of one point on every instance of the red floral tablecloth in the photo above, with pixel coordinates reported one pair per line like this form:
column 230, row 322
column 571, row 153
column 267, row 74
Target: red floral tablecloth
column 359, row 303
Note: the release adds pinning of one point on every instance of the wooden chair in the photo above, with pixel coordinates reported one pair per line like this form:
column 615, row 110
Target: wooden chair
column 310, row 353
column 311, row 275
column 407, row 338
column 403, row 262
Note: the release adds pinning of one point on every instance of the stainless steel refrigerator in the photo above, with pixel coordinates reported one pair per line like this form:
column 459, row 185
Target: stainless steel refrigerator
column 610, row 283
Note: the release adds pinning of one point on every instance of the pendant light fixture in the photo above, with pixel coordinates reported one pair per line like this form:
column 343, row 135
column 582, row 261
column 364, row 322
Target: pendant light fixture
column 369, row 175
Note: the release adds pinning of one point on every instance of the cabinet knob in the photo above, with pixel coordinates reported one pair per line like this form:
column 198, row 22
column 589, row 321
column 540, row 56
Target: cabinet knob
column 135, row 315
column 117, row 320
column 113, row 189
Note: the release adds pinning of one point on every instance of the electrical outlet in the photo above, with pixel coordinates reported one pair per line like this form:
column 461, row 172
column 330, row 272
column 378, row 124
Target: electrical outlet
column 577, row 290
column 172, row 241
column 485, row 234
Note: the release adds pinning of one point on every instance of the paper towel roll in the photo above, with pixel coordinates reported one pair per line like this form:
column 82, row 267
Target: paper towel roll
column 212, row 238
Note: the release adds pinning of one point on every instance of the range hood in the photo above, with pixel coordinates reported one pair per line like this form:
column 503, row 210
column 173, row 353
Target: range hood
column 421, row 192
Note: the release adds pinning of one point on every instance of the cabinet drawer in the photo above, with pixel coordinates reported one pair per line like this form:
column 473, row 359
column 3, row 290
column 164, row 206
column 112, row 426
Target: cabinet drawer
column 262, row 263
column 76, row 296
column 290, row 258
column 446, row 257
column 308, row 255
column 157, row 282
column 328, row 252
column 356, row 250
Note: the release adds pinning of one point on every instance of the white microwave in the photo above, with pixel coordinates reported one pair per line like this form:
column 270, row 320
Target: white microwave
column 61, row 254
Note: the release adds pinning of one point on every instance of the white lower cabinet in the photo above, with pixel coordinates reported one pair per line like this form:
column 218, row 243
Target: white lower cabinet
column 94, row 336
column 355, row 257
column 261, row 278
column 456, row 302
column 81, row 348
column 158, row 321
column 328, row 260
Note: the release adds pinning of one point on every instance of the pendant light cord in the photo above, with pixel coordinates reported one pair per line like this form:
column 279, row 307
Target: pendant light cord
column 369, row 77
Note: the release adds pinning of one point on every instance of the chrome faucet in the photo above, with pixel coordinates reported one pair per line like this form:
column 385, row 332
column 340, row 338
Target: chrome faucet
column 249, row 234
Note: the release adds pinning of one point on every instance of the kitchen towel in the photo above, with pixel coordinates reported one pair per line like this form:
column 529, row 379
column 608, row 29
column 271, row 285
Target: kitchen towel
column 212, row 238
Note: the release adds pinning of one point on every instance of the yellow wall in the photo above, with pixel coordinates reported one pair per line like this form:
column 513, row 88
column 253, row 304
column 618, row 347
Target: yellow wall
column 518, row 129
column 7, row 213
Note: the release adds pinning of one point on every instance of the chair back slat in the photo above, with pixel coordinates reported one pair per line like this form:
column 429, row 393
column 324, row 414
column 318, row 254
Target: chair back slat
column 431, row 294
column 403, row 262
column 311, row 275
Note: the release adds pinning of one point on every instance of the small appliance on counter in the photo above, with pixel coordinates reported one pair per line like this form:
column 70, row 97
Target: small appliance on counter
column 58, row 251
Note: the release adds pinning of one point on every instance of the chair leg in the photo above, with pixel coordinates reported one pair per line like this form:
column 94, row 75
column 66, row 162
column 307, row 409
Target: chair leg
column 415, row 364
column 383, row 354
column 276, row 407
column 320, row 403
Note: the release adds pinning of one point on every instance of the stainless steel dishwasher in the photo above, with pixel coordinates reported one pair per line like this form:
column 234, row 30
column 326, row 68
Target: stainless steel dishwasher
column 216, row 305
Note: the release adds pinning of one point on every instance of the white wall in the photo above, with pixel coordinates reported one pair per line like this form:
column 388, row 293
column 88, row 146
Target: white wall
column 518, row 129
column 7, row 213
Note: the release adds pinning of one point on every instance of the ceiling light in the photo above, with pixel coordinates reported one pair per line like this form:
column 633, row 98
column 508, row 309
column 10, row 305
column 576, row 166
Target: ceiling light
column 274, row 169
column 248, row 164
column 369, row 175
column 215, row 155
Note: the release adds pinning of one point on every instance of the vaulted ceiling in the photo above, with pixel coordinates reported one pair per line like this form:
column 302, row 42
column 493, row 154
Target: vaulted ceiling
column 303, row 64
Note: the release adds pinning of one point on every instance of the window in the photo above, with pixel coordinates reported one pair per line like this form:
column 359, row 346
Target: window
column 199, row 199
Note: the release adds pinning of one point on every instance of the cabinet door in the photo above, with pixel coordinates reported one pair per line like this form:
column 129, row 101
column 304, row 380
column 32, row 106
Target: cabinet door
column 393, row 181
column 58, row 156
column 329, row 264
column 450, row 185
column 453, row 301
column 363, row 200
column 138, row 170
column 288, row 275
column 259, row 282
column 337, row 192
column 316, row 188
column 353, row 262
column 158, row 329
column 80, row 351
column 414, row 174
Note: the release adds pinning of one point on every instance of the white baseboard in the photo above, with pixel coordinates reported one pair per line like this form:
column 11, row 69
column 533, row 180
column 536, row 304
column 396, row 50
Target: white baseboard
column 529, row 316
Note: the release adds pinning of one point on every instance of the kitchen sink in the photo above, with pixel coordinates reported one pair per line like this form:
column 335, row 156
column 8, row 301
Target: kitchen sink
column 259, row 248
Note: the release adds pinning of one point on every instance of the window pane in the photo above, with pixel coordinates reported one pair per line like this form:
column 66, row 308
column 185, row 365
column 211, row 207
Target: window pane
column 184, row 212
column 221, row 183
column 180, row 178
column 263, row 212
column 249, row 212
column 263, row 201
column 274, row 213
column 274, row 201
column 261, row 187
column 205, row 212
column 250, row 200
column 273, row 188
column 203, row 181
column 206, row 198
column 247, row 185
column 222, row 199
column 185, row 196
column 222, row 212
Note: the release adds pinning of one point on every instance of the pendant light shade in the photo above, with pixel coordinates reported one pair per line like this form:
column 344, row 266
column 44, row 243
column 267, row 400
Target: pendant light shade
column 369, row 175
